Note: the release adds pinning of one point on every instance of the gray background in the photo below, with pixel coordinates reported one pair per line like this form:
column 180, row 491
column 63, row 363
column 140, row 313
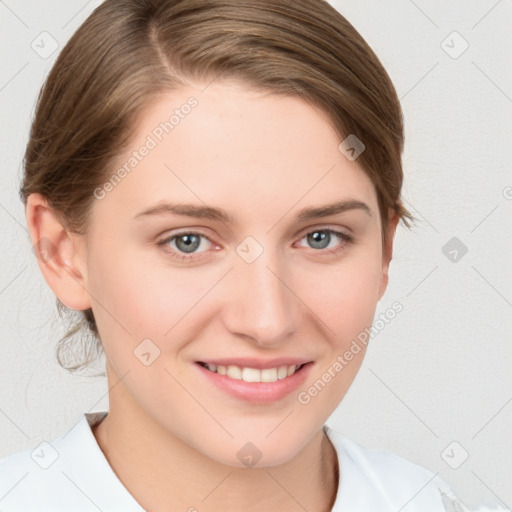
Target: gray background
column 435, row 386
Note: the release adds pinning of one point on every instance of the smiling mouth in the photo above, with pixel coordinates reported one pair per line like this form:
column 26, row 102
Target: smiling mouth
column 248, row 374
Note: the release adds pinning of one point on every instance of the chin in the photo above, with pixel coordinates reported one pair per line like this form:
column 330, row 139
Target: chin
column 242, row 452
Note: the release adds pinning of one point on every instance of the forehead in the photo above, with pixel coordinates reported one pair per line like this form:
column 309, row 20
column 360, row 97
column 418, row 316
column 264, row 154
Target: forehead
column 234, row 145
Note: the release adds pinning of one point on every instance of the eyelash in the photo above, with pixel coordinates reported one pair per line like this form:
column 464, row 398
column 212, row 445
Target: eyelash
column 346, row 239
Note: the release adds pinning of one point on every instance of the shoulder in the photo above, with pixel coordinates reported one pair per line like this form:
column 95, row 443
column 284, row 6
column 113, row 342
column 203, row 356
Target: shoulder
column 377, row 480
column 67, row 473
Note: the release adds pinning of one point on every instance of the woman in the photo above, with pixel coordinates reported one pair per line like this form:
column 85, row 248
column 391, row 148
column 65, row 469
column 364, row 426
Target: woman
column 215, row 185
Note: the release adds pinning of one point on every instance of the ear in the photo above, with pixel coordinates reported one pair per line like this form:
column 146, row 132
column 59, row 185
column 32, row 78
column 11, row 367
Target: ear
column 387, row 250
column 60, row 253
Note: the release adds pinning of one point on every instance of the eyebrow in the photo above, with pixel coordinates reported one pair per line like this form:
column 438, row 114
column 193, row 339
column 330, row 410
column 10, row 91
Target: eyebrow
column 209, row 212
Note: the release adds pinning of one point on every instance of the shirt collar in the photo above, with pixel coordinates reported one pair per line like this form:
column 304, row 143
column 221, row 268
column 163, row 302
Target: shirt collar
column 87, row 467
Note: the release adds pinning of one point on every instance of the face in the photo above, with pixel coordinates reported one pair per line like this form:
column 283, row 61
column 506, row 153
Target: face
column 242, row 283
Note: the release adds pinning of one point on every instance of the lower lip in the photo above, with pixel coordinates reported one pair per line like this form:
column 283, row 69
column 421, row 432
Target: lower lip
column 258, row 392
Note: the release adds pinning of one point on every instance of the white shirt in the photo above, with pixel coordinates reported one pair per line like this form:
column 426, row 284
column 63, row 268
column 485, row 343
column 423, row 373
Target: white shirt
column 72, row 474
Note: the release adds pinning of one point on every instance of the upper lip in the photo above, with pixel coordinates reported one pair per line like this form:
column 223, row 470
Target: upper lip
column 260, row 364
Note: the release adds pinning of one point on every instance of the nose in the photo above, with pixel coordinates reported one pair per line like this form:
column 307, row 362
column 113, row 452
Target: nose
column 261, row 306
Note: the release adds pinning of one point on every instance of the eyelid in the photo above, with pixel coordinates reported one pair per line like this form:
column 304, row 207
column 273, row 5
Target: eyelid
column 346, row 238
column 172, row 236
column 326, row 227
column 344, row 233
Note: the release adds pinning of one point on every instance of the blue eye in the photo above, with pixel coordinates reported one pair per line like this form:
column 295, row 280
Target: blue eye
column 187, row 242
column 184, row 245
column 321, row 238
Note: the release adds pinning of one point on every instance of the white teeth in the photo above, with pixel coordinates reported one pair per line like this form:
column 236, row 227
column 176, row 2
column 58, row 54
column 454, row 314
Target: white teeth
column 282, row 372
column 269, row 375
column 234, row 372
column 253, row 374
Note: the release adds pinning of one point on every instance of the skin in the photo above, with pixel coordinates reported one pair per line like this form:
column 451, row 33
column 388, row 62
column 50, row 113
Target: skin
column 262, row 158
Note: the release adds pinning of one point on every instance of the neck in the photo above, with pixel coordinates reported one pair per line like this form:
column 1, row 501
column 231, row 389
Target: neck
column 163, row 473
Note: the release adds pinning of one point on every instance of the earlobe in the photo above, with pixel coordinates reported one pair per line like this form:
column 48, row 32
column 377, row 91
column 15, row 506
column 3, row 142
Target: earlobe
column 60, row 253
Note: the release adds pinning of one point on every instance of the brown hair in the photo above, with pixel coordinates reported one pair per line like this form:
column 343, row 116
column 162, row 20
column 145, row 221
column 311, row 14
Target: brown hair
column 129, row 51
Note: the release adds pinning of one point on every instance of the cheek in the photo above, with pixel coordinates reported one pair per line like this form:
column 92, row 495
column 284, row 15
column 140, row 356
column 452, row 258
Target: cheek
column 345, row 295
column 134, row 299
column 137, row 299
column 123, row 302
